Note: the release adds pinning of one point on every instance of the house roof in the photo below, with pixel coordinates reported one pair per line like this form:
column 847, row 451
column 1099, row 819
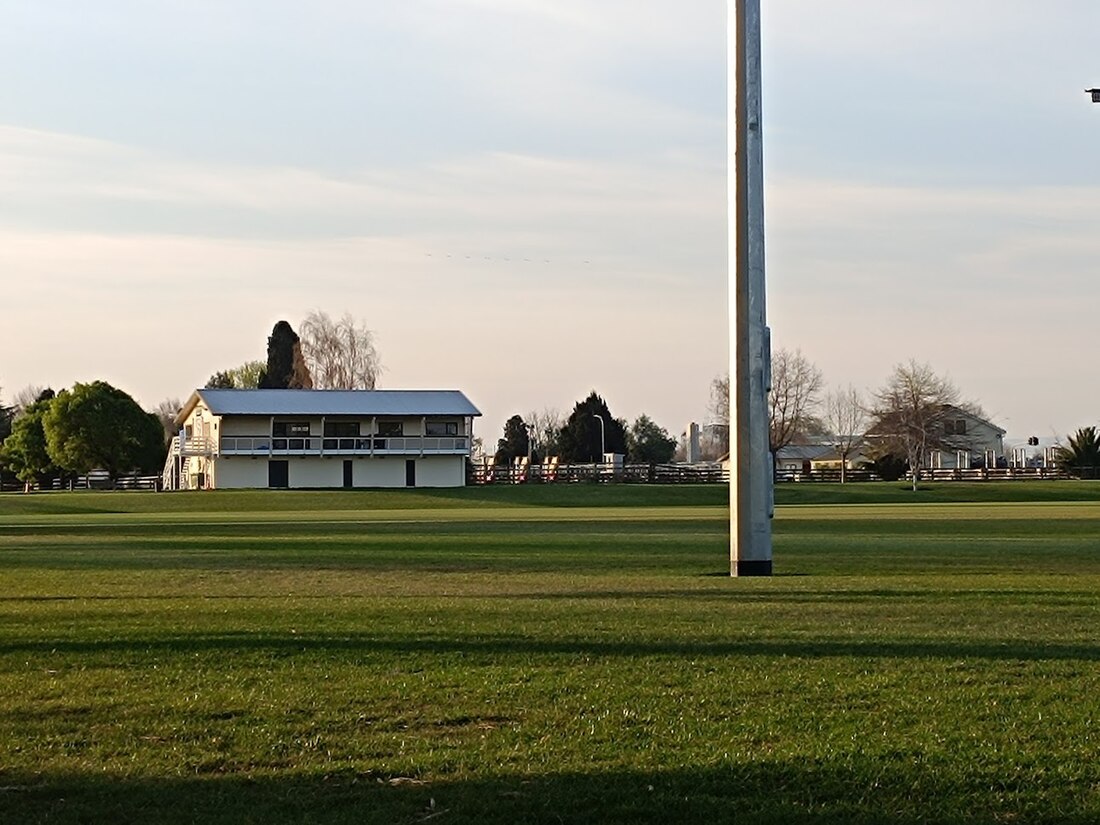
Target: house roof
column 946, row 411
column 331, row 402
column 804, row 452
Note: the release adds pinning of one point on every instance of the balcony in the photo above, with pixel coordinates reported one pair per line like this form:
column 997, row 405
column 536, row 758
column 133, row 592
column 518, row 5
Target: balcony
column 360, row 446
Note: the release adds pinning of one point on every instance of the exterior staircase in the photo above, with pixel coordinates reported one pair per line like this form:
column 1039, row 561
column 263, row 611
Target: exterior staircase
column 177, row 466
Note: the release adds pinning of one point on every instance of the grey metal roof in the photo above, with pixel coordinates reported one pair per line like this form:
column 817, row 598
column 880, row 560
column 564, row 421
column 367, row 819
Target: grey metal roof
column 334, row 402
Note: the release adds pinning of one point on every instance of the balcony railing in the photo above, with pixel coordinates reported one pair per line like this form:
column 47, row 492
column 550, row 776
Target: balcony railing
column 361, row 445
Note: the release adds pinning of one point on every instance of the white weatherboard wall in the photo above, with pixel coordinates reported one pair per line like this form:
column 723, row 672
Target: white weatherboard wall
column 440, row 471
column 379, row 472
column 255, row 425
column 232, row 472
column 314, row 472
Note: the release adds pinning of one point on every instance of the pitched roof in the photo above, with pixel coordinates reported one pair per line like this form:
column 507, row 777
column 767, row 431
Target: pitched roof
column 331, row 402
column 804, row 452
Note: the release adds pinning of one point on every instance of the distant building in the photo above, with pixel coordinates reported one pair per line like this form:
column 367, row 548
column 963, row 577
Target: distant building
column 960, row 439
column 321, row 439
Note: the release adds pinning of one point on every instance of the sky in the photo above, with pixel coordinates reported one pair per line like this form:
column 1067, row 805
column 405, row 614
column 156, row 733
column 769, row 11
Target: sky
column 526, row 199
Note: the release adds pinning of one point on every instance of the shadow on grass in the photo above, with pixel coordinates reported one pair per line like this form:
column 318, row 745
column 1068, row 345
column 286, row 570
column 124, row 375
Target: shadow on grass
column 495, row 647
column 897, row 789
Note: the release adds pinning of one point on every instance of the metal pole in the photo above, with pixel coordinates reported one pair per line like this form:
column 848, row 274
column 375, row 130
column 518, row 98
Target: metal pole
column 750, row 356
column 603, row 441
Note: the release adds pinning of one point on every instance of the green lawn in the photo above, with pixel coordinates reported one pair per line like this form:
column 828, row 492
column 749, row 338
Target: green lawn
column 550, row 654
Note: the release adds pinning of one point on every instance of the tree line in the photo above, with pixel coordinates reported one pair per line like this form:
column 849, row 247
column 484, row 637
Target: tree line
column 88, row 427
column 589, row 431
column 895, row 427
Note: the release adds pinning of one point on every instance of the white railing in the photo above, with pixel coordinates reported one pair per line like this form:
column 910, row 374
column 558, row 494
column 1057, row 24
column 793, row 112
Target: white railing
column 361, row 445
column 194, row 445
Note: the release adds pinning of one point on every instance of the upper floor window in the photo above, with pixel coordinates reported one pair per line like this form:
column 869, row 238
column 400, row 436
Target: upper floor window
column 441, row 428
column 285, row 429
column 954, row 427
column 341, row 429
column 391, row 428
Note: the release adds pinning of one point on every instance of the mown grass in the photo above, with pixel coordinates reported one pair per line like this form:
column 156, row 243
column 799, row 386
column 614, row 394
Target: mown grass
column 392, row 658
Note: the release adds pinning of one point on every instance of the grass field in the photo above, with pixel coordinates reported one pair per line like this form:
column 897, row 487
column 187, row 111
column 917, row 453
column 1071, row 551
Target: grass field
column 569, row 654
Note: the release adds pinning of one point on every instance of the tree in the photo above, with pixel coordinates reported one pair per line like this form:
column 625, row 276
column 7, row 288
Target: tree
column 1082, row 457
column 846, row 418
column 245, row 377
column 6, row 416
column 516, row 441
column 545, row 428
column 340, row 355
column 286, row 368
column 909, row 411
column 25, row 451
column 166, row 413
column 580, row 436
column 98, row 426
column 792, row 402
column 648, row 443
column 29, row 395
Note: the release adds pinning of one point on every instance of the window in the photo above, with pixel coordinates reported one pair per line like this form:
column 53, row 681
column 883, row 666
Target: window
column 441, row 428
column 956, row 427
column 341, row 429
column 391, row 428
column 288, row 428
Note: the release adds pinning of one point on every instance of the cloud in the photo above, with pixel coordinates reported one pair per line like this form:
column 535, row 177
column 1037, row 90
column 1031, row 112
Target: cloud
column 498, row 204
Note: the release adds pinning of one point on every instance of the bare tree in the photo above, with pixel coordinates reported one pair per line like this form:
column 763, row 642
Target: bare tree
column 792, row 402
column 26, row 396
column 909, row 411
column 340, row 354
column 545, row 429
column 845, row 416
column 166, row 411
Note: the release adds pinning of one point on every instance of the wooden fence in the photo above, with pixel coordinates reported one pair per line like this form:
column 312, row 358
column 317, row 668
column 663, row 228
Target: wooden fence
column 571, row 473
column 10, row 485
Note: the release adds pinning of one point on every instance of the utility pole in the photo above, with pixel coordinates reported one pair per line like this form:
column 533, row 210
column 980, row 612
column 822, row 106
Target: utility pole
column 751, row 495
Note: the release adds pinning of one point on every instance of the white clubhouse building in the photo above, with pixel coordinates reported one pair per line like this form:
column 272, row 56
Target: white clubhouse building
column 321, row 439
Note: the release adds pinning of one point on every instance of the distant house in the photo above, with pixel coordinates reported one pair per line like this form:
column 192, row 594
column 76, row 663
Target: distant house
column 959, row 439
column 967, row 439
column 796, row 459
column 321, row 439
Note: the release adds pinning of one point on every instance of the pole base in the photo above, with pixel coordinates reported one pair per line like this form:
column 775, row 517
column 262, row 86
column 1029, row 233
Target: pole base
column 752, row 567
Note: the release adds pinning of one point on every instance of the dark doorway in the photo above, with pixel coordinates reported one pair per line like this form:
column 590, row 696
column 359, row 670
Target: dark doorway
column 278, row 474
column 410, row 472
column 347, row 474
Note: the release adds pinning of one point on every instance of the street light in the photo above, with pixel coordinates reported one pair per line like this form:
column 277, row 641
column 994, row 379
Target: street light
column 1095, row 94
column 603, row 443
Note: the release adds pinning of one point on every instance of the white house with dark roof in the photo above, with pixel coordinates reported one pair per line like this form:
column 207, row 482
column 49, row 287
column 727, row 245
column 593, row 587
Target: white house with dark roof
column 321, row 439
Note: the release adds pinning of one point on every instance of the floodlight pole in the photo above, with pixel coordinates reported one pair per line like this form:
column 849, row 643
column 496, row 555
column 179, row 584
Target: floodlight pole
column 751, row 502
column 603, row 441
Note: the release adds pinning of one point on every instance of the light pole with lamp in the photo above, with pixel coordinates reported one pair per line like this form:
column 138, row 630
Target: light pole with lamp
column 603, row 442
column 1095, row 94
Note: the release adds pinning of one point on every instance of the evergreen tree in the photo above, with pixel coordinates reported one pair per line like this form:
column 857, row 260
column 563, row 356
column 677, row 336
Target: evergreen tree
column 24, row 451
column 98, row 426
column 516, row 441
column 647, row 443
column 286, row 368
column 580, row 436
